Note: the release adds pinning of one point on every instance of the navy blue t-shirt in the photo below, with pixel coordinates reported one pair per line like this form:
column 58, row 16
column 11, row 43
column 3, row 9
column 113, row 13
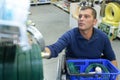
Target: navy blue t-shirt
column 78, row 47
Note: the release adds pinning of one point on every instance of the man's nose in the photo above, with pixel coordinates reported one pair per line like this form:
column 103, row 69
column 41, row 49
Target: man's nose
column 81, row 18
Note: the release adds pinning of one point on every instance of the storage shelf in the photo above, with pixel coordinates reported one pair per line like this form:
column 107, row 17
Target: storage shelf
column 41, row 2
column 61, row 5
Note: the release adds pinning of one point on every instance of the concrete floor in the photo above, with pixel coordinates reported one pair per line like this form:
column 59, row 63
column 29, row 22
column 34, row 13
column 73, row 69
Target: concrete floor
column 52, row 23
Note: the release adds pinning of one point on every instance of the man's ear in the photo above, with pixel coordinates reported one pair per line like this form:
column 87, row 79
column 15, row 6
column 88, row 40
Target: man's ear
column 95, row 21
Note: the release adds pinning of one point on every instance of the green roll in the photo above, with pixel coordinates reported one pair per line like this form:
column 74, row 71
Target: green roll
column 16, row 64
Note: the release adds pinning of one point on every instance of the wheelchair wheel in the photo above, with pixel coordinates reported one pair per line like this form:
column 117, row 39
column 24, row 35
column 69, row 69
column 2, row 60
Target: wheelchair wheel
column 61, row 74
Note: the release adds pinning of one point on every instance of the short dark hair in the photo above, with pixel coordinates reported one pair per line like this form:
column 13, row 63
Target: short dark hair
column 93, row 10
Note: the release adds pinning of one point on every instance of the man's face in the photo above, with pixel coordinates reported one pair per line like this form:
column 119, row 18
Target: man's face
column 86, row 20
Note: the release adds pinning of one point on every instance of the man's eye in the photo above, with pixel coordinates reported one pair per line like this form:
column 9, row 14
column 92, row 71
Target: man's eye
column 86, row 16
column 80, row 16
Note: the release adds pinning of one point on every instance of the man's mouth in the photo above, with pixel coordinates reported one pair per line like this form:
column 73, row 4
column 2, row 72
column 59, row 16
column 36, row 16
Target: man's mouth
column 81, row 24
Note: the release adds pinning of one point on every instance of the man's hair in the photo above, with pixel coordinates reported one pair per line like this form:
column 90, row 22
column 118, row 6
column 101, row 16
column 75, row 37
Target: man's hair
column 93, row 10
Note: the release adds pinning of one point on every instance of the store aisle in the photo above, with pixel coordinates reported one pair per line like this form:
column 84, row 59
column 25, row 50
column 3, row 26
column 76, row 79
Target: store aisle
column 53, row 22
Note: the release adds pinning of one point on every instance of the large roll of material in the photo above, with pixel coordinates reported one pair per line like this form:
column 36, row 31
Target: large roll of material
column 110, row 22
column 112, row 12
column 16, row 64
column 35, row 33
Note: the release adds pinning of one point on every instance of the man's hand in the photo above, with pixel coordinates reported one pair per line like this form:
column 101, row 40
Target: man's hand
column 46, row 54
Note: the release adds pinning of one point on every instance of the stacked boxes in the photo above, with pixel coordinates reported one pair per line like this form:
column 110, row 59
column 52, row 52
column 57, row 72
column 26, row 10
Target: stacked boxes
column 110, row 30
column 118, row 35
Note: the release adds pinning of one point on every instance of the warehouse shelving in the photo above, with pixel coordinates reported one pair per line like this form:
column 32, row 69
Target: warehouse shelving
column 37, row 2
column 64, row 5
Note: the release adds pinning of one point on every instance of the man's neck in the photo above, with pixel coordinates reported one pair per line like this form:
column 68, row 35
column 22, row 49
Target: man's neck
column 87, row 34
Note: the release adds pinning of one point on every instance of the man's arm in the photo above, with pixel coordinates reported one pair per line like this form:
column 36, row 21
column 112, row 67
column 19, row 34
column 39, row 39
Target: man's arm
column 114, row 62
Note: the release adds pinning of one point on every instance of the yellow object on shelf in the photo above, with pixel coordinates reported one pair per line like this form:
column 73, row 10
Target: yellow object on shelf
column 112, row 12
column 110, row 22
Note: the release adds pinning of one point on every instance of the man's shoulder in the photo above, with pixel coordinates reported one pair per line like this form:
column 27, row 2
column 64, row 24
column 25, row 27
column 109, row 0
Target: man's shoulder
column 71, row 32
column 100, row 32
column 73, row 29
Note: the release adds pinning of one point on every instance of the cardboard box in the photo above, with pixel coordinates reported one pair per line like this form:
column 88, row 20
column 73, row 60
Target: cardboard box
column 110, row 30
column 118, row 34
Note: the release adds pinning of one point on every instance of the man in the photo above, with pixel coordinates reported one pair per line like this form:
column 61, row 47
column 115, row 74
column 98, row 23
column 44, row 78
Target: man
column 84, row 41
